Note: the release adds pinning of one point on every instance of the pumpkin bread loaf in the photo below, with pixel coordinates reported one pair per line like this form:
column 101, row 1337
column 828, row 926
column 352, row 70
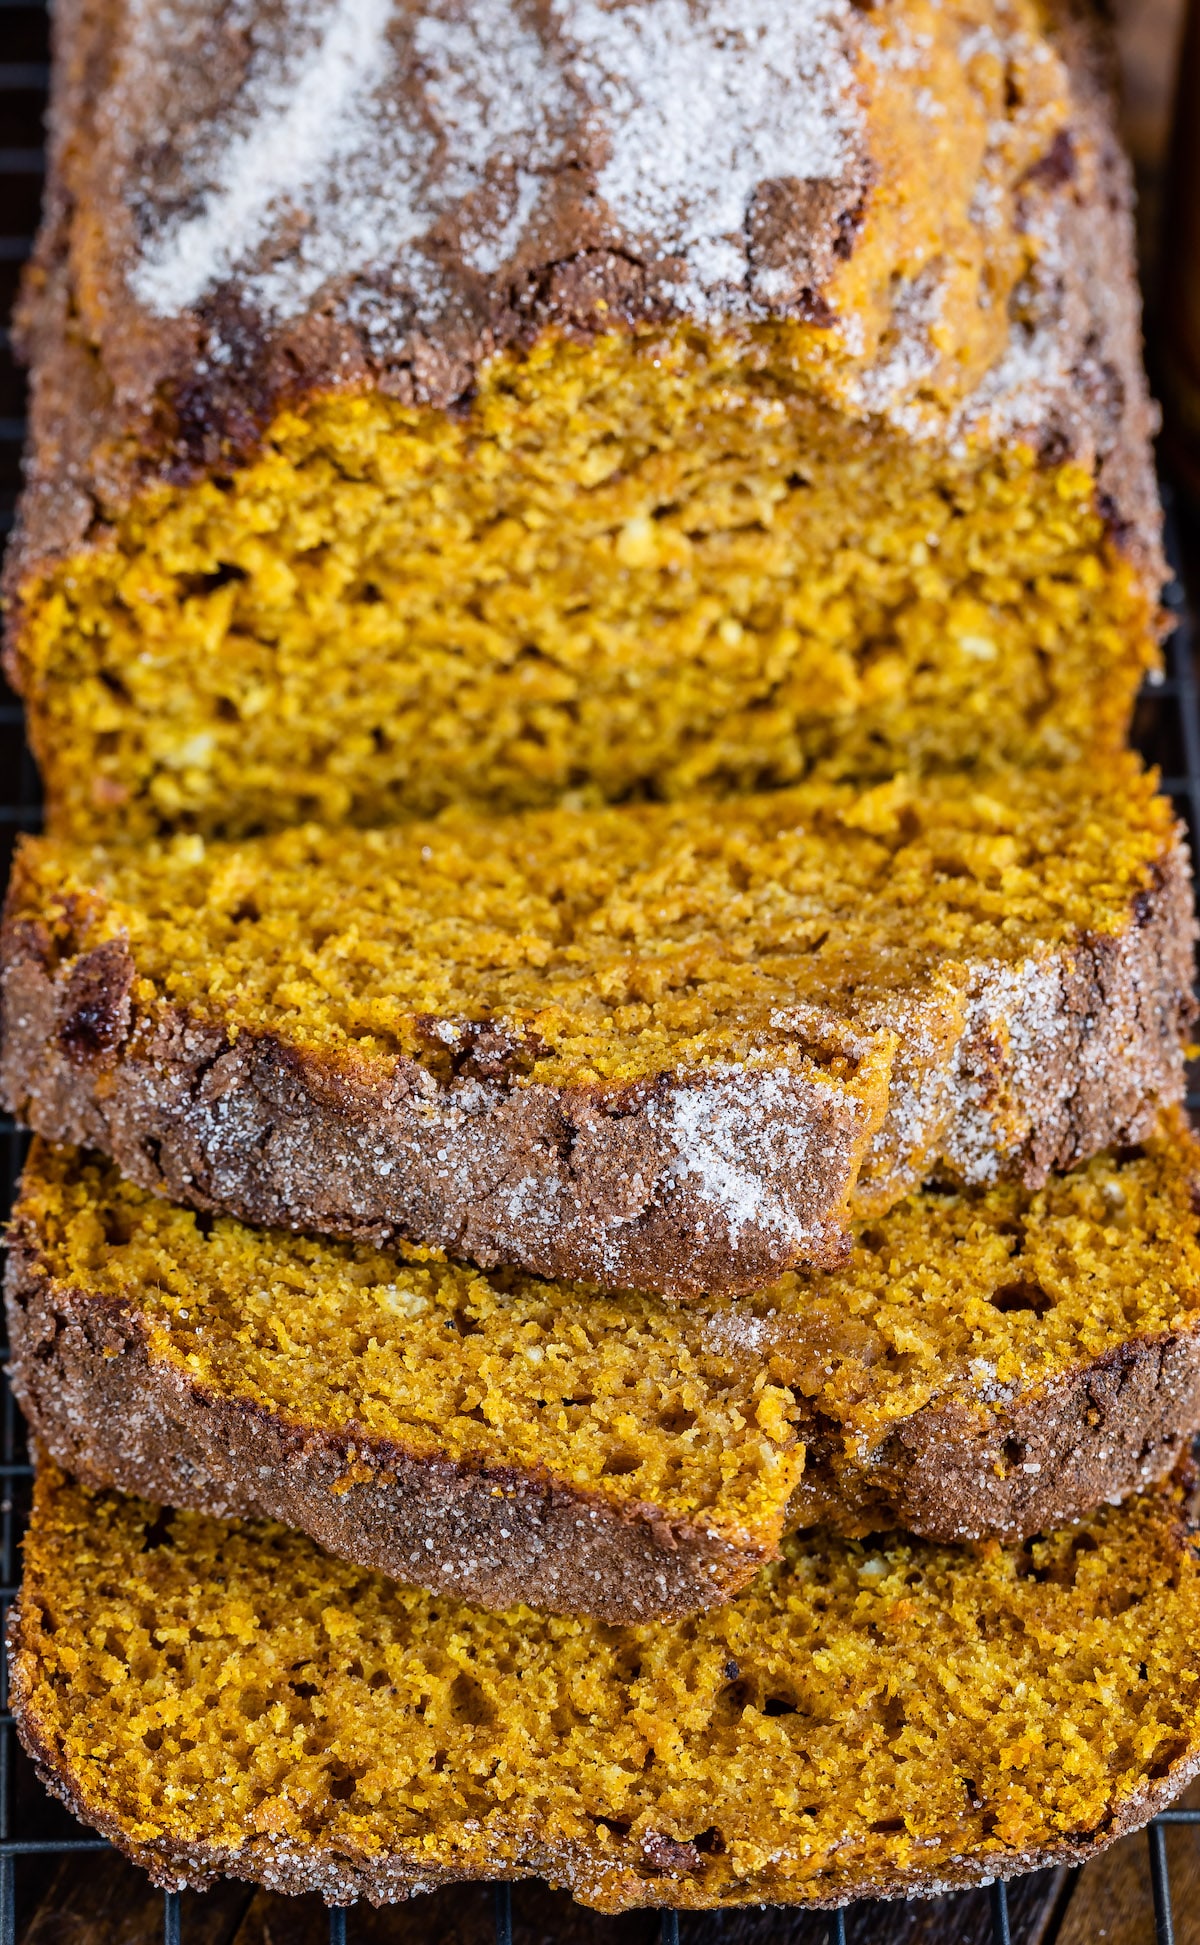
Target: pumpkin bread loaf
column 988, row 1362
column 662, row 1047
column 439, row 404
column 872, row 1717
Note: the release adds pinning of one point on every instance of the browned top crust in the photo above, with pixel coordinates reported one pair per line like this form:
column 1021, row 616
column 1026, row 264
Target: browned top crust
column 249, row 204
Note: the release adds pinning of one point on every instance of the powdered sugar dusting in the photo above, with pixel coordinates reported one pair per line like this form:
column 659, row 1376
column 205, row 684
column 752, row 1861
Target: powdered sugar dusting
column 1016, row 1027
column 738, row 1332
column 291, row 142
column 496, row 101
column 742, row 1135
column 359, row 131
column 337, row 170
column 921, row 1099
column 704, row 106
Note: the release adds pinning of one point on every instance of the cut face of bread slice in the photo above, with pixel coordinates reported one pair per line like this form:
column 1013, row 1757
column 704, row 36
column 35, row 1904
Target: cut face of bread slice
column 987, row 1362
column 672, row 1048
column 873, row 1717
column 752, row 421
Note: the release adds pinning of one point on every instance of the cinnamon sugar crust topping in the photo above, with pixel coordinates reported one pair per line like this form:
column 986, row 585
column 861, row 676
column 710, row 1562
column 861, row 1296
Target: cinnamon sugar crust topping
column 513, row 402
column 362, row 130
column 419, row 186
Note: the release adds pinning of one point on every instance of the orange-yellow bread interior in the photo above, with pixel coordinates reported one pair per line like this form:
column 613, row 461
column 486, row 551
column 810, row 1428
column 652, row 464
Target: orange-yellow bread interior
column 666, row 559
column 613, row 944
column 649, row 566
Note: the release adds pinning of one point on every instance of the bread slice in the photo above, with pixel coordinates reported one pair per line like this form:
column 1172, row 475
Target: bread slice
column 871, row 1718
column 671, row 1048
column 987, row 1362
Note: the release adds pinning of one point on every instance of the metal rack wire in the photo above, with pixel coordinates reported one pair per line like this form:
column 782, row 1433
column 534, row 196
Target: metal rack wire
column 34, row 1832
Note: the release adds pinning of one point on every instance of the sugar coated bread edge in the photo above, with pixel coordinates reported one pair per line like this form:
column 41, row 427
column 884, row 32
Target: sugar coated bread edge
column 113, row 1413
column 569, row 1181
column 1048, row 1456
column 499, row 1536
column 346, row 1878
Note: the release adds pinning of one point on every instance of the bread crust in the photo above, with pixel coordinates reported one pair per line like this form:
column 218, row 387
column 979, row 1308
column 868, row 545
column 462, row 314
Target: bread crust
column 345, row 1878
column 570, row 1182
column 956, row 1471
column 1054, row 1060
column 496, row 1536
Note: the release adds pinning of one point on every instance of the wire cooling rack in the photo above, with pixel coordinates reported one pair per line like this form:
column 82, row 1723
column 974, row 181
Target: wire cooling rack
column 37, row 1834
